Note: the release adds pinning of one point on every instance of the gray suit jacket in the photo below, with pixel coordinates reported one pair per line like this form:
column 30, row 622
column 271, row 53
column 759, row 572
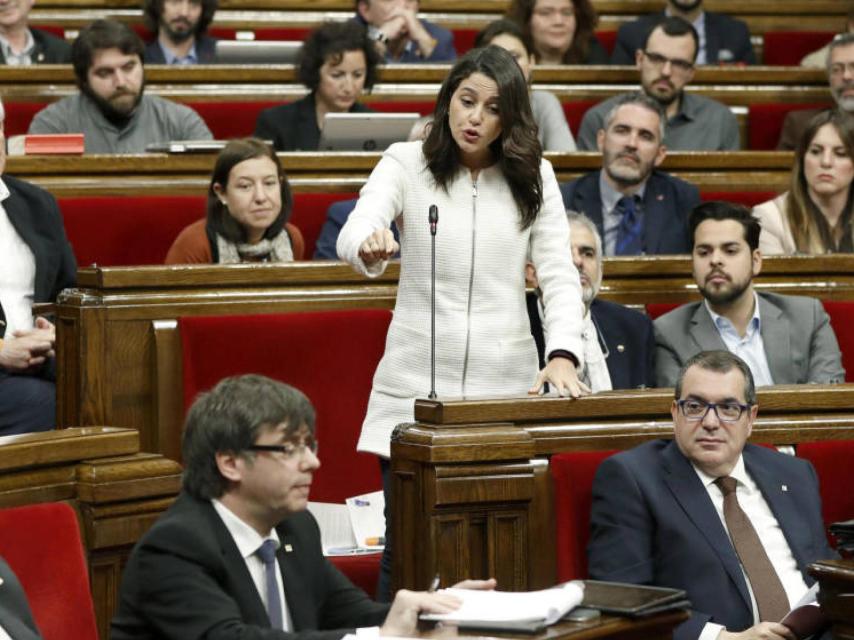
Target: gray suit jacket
column 16, row 618
column 799, row 342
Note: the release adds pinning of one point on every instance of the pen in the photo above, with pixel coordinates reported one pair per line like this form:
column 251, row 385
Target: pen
column 373, row 542
column 434, row 584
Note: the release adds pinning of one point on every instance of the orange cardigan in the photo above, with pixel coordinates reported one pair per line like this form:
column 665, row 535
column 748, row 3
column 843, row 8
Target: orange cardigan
column 192, row 245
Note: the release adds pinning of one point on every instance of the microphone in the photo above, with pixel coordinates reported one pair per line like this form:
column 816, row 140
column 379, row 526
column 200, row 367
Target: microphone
column 433, row 218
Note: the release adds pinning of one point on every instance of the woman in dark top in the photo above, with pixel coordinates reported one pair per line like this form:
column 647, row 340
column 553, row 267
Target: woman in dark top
column 337, row 63
column 561, row 30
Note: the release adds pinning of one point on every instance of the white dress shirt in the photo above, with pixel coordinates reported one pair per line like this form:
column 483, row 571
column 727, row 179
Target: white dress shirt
column 17, row 273
column 22, row 58
column 753, row 503
column 248, row 541
column 750, row 347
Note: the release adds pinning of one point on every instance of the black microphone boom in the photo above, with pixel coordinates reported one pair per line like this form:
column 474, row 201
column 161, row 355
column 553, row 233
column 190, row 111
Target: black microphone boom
column 433, row 217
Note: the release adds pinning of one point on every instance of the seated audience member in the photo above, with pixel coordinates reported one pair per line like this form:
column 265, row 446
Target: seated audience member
column 36, row 263
column 337, row 63
column 814, row 216
column 637, row 209
column 840, row 76
column 722, row 39
column 400, row 35
column 552, row 128
column 619, row 343
column 16, row 618
column 249, row 203
column 666, row 65
column 238, row 554
column 818, row 59
column 181, row 28
column 21, row 45
column 783, row 339
column 110, row 109
column 705, row 512
column 561, row 31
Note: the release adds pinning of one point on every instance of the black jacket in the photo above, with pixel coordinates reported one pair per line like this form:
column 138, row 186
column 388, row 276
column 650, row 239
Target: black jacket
column 205, row 51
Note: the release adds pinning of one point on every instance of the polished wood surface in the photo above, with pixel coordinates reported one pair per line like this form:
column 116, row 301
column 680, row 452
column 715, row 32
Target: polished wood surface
column 472, row 483
column 116, row 491
column 836, row 594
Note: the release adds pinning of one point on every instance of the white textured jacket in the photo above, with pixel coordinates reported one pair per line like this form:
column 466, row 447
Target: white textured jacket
column 483, row 339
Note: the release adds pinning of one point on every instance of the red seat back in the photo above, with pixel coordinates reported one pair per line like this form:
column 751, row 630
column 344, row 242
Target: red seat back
column 310, row 214
column 42, row 545
column 747, row 198
column 842, row 320
column 19, row 115
column 572, row 474
column 655, row 309
column 330, row 356
column 574, row 112
column 787, row 48
column 230, row 119
column 832, row 461
column 765, row 122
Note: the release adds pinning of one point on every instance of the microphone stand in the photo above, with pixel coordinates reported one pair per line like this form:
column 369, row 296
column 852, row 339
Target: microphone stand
column 433, row 217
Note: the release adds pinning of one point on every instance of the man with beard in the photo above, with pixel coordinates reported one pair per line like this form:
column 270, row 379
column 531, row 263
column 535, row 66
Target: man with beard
column 666, row 65
column 723, row 40
column 783, row 339
column 111, row 109
column 840, row 74
column 636, row 208
column 618, row 341
column 21, row 45
column 181, row 28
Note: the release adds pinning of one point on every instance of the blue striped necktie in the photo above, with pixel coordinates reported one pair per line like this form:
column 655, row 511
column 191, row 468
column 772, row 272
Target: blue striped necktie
column 630, row 231
column 267, row 553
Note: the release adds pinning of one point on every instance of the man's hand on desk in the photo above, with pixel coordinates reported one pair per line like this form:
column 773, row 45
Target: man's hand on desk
column 26, row 350
column 761, row 631
column 402, row 618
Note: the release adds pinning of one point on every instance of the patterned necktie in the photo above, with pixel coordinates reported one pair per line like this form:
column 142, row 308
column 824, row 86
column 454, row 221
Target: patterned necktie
column 267, row 553
column 771, row 599
column 630, row 231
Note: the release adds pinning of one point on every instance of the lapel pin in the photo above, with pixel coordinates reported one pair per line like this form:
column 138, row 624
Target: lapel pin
column 784, row 488
column 621, row 348
column 288, row 548
column 659, row 197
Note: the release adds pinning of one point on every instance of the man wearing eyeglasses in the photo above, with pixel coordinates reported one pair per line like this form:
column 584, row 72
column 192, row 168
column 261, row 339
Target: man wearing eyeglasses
column 666, row 65
column 733, row 524
column 238, row 555
column 784, row 339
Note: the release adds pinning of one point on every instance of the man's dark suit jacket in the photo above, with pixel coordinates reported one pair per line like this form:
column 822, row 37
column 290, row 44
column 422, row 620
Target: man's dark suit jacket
column 666, row 204
column 652, row 522
column 49, row 49
column 727, row 39
column 293, row 126
column 186, row 579
column 34, row 214
column 794, row 125
column 15, row 615
column 626, row 334
column 205, row 51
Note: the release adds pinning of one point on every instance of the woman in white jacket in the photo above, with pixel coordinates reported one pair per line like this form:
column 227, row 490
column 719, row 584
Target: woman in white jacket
column 498, row 202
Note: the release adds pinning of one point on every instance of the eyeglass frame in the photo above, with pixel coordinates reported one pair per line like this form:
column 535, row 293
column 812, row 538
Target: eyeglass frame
column 677, row 64
column 288, row 449
column 714, row 406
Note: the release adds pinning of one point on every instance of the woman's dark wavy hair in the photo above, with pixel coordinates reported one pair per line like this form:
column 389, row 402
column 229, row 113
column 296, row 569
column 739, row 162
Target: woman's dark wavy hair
column 235, row 152
column 516, row 151
column 331, row 41
column 586, row 19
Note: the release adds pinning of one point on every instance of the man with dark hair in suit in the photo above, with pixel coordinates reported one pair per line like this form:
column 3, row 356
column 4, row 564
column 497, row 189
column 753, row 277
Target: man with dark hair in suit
column 181, row 27
column 36, row 263
column 636, row 208
column 22, row 45
column 618, row 342
column 238, row 555
column 16, row 619
column 784, row 339
column 733, row 524
column 722, row 39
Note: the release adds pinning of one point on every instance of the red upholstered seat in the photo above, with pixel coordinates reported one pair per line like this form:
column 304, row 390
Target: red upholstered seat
column 747, row 198
column 842, row 320
column 232, row 119
column 832, row 461
column 310, row 213
column 19, row 115
column 574, row 111
column 765, row 122
column 42, row 545
column 787, row 48
column 572, row 474
column 655, row 309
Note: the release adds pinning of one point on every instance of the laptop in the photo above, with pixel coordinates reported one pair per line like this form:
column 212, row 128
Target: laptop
column 365, row 131
column 257, row 51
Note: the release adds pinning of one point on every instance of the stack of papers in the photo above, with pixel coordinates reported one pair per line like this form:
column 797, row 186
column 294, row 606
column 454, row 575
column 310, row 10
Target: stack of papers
column 352, row 528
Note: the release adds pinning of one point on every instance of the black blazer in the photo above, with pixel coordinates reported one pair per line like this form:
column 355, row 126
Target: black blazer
column 205, row 51
column 727, row 39
column 186, row 579
column 293, row 126
column 666, row 204
column 626, row 335
column 35, row 215
column 49, row 49
column 15, row 615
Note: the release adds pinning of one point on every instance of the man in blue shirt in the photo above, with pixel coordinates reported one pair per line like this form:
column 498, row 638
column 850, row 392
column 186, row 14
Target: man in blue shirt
column 181, row 27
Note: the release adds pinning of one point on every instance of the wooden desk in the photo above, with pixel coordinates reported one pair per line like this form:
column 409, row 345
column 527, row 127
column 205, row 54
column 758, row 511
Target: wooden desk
column 116, row 491
column 473, row 489
column 836, row 594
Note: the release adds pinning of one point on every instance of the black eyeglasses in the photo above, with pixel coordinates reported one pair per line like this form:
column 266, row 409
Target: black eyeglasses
column 289, row 449
column 725, row 411
column 677, row 63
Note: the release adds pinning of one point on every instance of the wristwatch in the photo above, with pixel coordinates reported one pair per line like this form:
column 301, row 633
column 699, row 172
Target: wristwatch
column 378, row 36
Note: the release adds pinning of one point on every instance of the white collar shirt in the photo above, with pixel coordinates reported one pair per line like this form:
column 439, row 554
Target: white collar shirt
column 24, row 56
column 750, row 347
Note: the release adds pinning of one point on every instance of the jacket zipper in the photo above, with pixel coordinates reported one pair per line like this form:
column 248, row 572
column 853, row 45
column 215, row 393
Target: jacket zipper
column 471, row 282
